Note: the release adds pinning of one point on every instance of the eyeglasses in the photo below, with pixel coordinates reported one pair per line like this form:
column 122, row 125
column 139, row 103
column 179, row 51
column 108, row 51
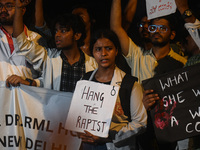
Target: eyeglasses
column 153, row 28
column 8, row 7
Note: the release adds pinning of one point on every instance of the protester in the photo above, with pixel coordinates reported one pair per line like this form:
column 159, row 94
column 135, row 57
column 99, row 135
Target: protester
column 146, row 64
column 11, row 62
column 62, row 66
column 136, row 56
column 142, row 26
column 143, row 39
column 87, row 15
column 105, row 48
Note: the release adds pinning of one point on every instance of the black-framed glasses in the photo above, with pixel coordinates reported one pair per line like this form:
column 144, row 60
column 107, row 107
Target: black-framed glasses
column 8, row 7
column 153, row 28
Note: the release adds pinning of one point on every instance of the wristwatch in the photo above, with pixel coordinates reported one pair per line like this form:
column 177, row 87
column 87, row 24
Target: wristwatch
column 30, row 81
column 187, row 13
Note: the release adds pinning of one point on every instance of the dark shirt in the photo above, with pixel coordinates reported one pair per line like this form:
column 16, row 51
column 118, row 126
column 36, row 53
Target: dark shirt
column 95, row 80
column 193, row 60
column 71, row 73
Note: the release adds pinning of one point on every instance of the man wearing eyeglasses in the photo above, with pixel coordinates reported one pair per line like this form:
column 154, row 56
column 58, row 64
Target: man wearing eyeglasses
column 146, row 64
column 12, row 64
column 142, row 62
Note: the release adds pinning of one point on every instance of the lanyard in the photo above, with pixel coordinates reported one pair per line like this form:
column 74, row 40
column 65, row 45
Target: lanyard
column 9, row 38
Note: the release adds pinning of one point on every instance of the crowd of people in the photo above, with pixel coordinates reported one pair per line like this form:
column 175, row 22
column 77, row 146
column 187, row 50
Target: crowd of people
column 74, row 50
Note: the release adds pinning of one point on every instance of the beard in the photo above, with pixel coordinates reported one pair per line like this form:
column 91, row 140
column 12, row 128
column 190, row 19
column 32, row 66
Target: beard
column 159, row 43
column 5, row 20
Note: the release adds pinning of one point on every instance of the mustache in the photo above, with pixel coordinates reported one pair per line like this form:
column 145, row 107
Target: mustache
column 156, row 34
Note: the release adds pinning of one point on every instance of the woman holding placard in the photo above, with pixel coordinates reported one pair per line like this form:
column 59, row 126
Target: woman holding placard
column 105, row 48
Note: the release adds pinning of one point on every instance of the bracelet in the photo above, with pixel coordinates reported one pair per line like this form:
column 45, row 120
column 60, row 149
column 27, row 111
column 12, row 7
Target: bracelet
column 30, row 81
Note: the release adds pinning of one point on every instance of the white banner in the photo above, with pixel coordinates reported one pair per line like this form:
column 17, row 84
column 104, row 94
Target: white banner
column 92, row 108
column 33, row 118
column 158, row 8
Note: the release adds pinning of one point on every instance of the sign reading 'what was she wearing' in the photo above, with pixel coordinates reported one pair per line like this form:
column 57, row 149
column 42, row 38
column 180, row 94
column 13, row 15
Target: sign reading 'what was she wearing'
column 177, row 115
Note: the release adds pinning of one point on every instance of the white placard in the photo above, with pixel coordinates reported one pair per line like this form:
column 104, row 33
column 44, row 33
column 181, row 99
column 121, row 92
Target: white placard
column 158, row 8
column 92, row 107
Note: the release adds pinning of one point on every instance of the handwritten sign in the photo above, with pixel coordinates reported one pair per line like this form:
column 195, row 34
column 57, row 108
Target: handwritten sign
column 92, row 108
column 158, row 8
column 177, row 115
column 33, row 118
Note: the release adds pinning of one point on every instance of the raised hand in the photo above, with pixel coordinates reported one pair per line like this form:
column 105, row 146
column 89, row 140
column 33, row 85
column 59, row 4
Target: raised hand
column 22, row 3
column 182, row 5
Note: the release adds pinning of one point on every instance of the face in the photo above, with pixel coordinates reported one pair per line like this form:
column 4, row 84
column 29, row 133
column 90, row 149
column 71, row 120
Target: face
column 7, row 16
column 82, row 12
column 104, row 53
column 143, row 28
column 161, row 38
column 64, row 37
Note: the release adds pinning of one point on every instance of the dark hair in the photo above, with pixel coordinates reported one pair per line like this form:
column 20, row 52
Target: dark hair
column 109, row 34
column 75, row 22
column 104, row 33
column 171, row 20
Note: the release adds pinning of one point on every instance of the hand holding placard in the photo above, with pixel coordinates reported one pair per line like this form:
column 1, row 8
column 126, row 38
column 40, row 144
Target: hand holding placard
column 92, row 108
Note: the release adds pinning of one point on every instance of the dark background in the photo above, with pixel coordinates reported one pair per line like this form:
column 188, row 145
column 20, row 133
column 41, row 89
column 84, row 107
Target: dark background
column 100, row 9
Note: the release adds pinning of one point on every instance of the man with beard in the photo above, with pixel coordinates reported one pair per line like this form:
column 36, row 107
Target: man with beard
column 10, row 62
column 143, row 62
column 146, row 64
column 62, row 66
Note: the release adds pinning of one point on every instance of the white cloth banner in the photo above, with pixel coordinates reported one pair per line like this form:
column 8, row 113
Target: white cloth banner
column 158, row 8
column 92, row 108
column 33, row 118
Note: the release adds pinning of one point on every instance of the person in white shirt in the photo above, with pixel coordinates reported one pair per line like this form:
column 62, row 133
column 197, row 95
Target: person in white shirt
column 10, row 62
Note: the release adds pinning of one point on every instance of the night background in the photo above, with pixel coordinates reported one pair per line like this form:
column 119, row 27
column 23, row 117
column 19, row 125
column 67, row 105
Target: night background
column 100, row 9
